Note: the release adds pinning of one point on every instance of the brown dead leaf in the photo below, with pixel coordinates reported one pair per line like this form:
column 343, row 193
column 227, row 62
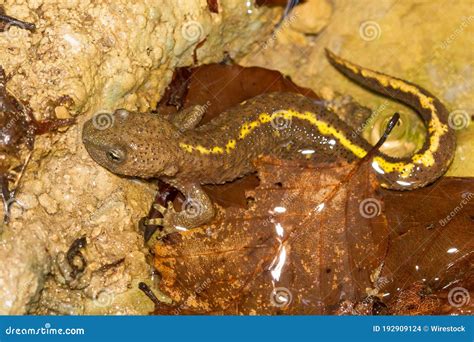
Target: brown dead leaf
column 417, row 237
column 415, row 300
column 213, row 6
column 432, row 237
column 301, row 248
column 219, row 87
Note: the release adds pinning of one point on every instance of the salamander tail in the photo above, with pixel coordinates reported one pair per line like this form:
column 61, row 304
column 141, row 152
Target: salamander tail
column 434, row 158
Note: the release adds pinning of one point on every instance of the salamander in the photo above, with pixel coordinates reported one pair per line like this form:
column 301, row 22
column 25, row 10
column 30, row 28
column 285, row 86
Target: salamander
column 185, row 155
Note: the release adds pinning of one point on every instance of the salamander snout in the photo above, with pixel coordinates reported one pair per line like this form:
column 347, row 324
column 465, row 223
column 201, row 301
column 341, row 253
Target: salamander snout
column 130, row 144
column 103, row 147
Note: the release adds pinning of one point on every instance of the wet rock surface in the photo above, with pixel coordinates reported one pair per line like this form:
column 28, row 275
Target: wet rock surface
column 83, row 57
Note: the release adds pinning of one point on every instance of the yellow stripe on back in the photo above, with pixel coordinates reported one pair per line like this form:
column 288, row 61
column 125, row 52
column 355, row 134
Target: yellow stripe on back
column 325, row 129
column 436, row 128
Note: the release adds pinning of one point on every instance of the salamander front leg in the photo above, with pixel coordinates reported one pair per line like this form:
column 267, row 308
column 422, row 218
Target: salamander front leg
column 188, row 118
column 197, row 209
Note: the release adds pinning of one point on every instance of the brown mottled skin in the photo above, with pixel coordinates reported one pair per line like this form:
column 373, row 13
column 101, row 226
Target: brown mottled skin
column 147, row 145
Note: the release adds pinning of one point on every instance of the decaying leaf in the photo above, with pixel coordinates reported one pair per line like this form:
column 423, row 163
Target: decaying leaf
column 430, row 231
column 219, row 87
column 415, row 300
column 303, row 246
column 432, row 239
column 213, row 6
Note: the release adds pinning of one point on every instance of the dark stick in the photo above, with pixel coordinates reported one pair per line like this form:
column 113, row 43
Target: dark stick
column 75, row 251
column 7, row 197
column 391, row 124
column 18, row 23
column 289, row 7
column 149, row 293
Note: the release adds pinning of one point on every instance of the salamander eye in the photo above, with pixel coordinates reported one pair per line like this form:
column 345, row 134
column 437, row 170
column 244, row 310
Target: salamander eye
column 116, row 156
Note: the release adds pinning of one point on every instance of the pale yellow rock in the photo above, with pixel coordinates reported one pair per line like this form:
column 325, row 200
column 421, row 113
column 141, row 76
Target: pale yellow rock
column 62, row 112
column 111, row 54
column 103, row 55
column 311, row 16
column 48, row 203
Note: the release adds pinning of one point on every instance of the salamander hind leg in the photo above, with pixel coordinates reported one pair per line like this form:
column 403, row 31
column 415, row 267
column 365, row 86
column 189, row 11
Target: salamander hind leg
column 197, row 209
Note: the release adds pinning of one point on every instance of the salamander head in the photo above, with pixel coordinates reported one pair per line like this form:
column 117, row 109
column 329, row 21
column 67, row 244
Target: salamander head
column 131, row 144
